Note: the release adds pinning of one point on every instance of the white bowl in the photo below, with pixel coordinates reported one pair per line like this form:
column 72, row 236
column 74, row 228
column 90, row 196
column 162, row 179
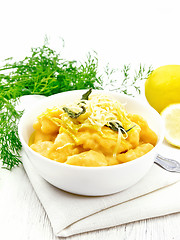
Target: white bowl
column 92, row 181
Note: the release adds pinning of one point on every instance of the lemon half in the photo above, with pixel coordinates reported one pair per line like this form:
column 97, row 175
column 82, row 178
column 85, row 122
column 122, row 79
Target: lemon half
column 171, row 117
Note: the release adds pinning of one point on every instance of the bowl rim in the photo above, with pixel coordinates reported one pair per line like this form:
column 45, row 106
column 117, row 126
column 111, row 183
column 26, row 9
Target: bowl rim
column 100, row 168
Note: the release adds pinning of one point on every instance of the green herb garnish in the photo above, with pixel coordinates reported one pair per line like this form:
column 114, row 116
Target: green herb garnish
column 85, row 96
column 130, row 128
column 115, row 126
column 74, row 114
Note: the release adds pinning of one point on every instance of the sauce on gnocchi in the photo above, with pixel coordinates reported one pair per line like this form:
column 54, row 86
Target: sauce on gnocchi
column 92, row 132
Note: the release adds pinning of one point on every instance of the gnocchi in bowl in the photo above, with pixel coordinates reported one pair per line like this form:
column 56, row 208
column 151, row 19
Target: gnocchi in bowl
column 93, row 131
column 91, row 143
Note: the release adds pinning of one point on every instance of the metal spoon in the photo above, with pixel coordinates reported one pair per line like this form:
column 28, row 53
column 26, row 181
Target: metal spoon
column 167, row 163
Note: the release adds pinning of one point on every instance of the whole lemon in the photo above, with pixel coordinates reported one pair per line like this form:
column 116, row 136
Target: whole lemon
column 162, row 87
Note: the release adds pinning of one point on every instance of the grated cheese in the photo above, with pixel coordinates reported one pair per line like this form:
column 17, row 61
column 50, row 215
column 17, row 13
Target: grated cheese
column 100, row 110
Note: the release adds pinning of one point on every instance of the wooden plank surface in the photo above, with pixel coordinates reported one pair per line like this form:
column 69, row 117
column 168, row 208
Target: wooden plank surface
column 22, row 217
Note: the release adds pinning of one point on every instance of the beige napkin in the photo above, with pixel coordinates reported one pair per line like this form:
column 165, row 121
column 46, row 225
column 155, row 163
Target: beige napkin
column 157, row 194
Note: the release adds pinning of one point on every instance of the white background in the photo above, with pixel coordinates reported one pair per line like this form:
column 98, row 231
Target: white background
column 121, row 32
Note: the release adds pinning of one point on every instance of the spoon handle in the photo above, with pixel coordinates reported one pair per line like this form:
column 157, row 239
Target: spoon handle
column 167, row 163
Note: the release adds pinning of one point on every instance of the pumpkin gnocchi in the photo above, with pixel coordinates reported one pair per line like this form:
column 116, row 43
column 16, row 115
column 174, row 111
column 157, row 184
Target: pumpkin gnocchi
column 92, row 132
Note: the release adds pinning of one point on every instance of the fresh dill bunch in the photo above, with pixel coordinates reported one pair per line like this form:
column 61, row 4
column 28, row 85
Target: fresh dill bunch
column 142, row 74
column 10, row 144
column 44, row 73
column 125, row 80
